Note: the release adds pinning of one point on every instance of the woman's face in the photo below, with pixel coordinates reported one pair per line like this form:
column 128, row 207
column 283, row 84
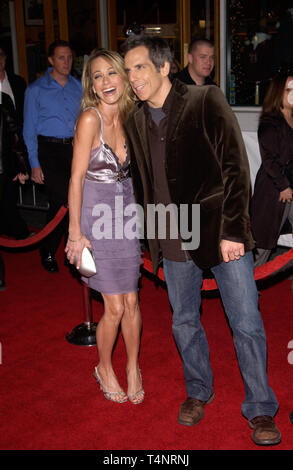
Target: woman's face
column 288, row 94
column 107, row 83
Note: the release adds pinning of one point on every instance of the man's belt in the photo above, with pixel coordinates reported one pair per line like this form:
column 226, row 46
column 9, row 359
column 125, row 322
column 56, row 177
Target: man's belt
column 55, row 140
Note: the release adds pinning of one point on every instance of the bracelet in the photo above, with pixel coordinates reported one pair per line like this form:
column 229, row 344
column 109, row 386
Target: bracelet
column 75, row 240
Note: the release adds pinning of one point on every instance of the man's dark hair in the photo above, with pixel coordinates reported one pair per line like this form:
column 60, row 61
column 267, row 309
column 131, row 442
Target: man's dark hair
column 57, row 43
column 196, row 41
column 159, row 51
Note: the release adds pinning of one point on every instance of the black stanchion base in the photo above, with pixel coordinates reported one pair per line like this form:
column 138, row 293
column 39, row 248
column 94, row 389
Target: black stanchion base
column 83, row 335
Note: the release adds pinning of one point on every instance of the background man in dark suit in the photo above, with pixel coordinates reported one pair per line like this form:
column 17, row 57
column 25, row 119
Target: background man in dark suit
column 11, row 222
column 13, row 85
column 201, row 63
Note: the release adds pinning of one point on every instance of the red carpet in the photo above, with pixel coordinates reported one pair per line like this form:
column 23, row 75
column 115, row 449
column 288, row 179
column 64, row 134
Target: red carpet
column 49, row 399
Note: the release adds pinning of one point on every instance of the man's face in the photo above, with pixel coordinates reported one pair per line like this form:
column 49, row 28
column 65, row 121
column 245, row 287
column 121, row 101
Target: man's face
column 2, row 60
column 61, row 60
column 146, row 81
column 202, row 60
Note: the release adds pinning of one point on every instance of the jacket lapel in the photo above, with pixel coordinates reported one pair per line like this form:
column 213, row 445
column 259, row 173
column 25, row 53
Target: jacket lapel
column 178, row 106
column 175, row 114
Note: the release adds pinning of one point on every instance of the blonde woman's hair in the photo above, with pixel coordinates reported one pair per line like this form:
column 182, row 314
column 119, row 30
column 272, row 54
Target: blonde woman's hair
column 90, row 98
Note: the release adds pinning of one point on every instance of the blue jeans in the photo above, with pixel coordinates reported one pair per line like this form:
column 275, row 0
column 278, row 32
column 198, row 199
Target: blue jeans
column 240, row 298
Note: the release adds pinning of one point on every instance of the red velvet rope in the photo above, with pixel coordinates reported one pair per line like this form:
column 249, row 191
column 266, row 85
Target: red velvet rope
column 261, row 272
column 10, row 243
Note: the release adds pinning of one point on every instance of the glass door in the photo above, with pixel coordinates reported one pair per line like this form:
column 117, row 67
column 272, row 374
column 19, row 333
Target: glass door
column 175, row 20
column 259, row 43
column 153, row 17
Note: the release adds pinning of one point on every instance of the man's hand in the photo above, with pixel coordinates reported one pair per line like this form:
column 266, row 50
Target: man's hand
column 231, row 250
column 286, row 195
column 37, row 175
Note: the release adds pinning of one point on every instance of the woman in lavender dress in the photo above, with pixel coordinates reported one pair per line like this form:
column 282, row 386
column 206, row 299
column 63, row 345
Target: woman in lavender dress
column 99, row 184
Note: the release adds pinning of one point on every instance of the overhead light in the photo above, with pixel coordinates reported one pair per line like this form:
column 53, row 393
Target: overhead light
column 153, row 29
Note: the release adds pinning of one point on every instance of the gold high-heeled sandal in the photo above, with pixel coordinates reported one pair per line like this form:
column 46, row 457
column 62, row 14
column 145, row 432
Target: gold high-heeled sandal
column 141, row 392
column 107, row 394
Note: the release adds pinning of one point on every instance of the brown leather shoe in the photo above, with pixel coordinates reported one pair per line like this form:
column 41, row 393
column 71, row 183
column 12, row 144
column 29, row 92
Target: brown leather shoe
column 192, row 410
column 265, row 431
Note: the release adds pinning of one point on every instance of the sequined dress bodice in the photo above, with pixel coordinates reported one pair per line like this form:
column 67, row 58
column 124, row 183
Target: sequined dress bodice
column 104, row 165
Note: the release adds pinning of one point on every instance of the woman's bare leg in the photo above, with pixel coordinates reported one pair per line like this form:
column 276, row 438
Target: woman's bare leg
column 131, row 330
column 106, row 335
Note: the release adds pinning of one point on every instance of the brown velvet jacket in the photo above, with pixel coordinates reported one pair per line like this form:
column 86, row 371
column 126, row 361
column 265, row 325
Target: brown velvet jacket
column 206, row 163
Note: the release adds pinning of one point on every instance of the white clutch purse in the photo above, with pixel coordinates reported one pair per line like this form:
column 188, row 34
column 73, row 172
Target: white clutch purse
column 87, row 266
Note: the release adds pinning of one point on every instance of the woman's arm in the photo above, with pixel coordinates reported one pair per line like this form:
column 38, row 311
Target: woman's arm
column 87, row 130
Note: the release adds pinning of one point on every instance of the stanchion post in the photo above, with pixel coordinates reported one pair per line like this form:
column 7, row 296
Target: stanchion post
column 84, row 334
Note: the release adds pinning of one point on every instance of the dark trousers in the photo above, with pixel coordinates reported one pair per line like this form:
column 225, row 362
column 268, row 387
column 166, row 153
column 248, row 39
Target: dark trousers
column 55, row 160
column 11, row 222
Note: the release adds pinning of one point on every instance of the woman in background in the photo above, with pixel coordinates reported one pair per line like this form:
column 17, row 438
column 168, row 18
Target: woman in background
column 271, row 203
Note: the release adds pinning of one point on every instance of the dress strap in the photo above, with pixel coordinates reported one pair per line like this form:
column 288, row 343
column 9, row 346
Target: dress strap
column 101, row 120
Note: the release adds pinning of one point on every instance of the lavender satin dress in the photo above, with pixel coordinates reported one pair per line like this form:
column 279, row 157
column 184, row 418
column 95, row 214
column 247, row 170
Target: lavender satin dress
column 107, row 191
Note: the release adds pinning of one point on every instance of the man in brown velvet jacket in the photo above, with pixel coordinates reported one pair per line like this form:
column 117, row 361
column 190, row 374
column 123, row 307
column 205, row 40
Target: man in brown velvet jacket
column 186, row 149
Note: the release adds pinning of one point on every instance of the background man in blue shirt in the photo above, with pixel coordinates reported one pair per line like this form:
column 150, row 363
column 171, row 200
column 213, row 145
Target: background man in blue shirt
column 50, row 110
